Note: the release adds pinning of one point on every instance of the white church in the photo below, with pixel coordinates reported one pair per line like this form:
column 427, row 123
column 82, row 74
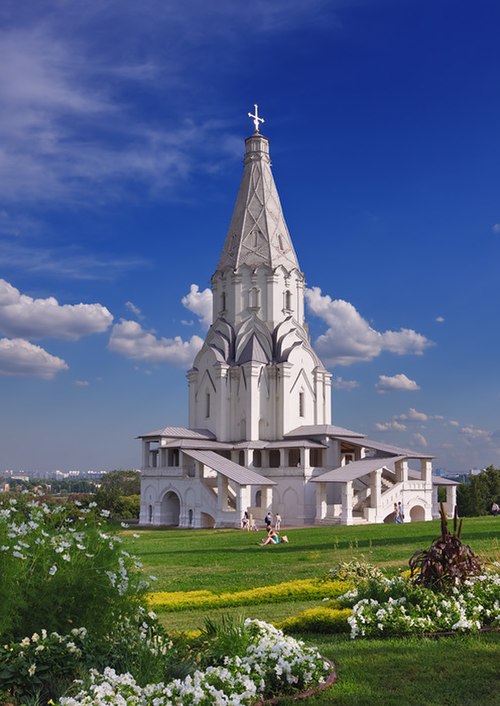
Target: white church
column 260, row 434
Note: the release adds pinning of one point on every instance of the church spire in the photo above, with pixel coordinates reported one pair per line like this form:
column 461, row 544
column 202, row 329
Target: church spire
column 258, row 234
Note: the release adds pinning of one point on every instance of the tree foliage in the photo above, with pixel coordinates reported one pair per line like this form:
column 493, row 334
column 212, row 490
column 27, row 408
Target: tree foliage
column 476, row 496
column 119, row 493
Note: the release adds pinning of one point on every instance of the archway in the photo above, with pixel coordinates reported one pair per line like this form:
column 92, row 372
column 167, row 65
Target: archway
column 417, row 514
column 170, row 509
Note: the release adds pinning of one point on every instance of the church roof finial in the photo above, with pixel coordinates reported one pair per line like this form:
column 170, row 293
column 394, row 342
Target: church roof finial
column 255, row 117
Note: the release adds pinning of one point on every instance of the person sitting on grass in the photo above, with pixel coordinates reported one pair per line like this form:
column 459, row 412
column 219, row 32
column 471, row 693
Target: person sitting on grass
column 274, row 538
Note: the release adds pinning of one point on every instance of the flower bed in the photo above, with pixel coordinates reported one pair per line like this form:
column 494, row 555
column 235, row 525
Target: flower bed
column 397, row 607
column 272, row 664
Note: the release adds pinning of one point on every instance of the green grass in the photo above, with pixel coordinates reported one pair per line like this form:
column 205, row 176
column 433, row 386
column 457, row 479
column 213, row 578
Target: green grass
column 230, row 560
column 458, row 671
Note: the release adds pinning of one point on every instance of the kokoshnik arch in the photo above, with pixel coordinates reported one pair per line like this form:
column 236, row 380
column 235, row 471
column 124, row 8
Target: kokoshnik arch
column 260, row 433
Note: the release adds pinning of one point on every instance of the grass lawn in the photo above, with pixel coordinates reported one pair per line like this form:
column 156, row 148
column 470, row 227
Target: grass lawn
column 455, row 671
column 230, row 560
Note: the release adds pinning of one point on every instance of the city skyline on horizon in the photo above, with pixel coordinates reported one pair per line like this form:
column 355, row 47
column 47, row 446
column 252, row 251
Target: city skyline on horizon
column 124, row 138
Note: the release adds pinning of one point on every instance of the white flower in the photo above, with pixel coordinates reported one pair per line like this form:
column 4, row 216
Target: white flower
column 52, row 569
column 32, row 670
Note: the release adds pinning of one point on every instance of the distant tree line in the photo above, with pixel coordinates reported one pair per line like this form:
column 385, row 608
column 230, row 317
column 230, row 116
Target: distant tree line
column 116, row 491
column 477, row 494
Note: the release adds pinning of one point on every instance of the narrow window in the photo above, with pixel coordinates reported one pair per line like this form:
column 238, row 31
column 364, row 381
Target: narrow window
column 223, row 300
column 301, row 404
column 207, row 404
column 254, row 298
column 288, row 300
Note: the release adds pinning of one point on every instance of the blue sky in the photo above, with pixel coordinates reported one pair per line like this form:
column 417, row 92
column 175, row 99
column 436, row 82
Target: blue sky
column 121, row 132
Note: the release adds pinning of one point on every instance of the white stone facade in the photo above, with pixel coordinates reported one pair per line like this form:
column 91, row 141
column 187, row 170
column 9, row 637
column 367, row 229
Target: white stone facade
column 260, row 436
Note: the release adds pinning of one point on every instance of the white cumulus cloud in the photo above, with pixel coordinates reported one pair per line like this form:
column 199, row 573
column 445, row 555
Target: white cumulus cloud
column 200, row 303
column 129, row 339
column 350, row 338
column 341, row 384
column 420, row 440
column 390, row 426
column 400, row 383
column 22, row 358
column 23, row 316
column 134, row 309
column 414, row 416
column 471, row 433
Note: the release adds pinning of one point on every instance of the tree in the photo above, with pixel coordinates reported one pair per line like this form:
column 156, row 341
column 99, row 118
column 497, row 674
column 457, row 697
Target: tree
column 115, row 486
column 476, row 496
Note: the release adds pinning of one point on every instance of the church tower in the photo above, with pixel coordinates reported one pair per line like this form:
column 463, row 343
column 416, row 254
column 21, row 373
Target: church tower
column 257, row 376
column 260, row 437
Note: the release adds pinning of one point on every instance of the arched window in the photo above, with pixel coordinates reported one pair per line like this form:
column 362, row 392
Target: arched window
column 150, row 513
column 257, row 458
column 288, row 300
column 253, row 298
column 241, row 458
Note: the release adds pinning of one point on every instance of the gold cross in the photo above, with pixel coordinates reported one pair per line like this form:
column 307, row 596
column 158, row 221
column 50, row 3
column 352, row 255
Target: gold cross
column 256, row 119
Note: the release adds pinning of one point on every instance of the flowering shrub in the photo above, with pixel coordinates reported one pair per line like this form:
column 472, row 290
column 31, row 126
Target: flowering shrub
column 29, row 665
column 396, row 607
column 272, row 664
column 302, row 589
column 61, row 569
column 57, row 566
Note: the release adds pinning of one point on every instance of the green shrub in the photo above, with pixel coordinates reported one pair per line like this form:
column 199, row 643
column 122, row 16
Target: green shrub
column 354, row 571
column 301, row 589
column 61, row 571
column 322, row 619
column 43, row 665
